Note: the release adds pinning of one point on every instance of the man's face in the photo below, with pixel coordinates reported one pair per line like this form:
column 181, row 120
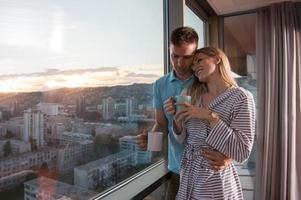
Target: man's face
column 182, row 57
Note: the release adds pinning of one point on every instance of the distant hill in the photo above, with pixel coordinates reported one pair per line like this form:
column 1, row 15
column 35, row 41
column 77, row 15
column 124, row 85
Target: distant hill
column 93, row 96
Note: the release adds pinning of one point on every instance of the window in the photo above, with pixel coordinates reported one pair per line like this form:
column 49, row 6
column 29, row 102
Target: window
column 192, row 20
column 75, row 88
column 239, row 45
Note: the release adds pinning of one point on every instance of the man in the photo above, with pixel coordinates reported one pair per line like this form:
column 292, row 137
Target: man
column 183, row 43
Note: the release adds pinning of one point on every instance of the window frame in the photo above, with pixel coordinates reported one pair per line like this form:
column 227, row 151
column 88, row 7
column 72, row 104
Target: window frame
column 137, row 185
column 147, row 180
column 150, row 178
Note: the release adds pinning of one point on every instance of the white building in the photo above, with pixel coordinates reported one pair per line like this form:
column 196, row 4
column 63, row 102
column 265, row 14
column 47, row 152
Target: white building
column 103, row 172
column 48, row 108
column 128, row 143
column 46, row 188
column 108, row 108
column 131, row 106
column 34, row 127
column 73, row 155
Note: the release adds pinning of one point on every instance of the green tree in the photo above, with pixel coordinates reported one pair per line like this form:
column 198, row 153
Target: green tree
column 105, row 144
column 7, row 148
column 33, row 143
column 31, row 176
column 93, row 132
column 9, row 134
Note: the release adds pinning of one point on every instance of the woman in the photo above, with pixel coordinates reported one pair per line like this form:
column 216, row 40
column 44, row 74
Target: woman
column 221, row 117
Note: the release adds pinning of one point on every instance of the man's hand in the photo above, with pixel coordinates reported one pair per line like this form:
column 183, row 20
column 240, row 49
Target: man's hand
column 141, row 140
column 217, row 160
column 169, row 106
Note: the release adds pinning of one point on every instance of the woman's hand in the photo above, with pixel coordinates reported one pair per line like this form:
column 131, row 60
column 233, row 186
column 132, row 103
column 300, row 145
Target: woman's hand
column 189, row 111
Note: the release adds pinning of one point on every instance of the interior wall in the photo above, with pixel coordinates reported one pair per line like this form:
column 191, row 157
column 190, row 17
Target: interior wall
column 213, row 27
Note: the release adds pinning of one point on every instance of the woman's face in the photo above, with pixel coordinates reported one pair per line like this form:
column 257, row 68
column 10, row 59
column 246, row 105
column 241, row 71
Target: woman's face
column 204, row 66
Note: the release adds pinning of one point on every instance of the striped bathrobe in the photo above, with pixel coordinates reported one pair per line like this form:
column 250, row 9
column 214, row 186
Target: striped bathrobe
column 233, row 136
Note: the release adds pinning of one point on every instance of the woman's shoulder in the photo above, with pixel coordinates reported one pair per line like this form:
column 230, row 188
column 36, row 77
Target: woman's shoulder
column 241, row 93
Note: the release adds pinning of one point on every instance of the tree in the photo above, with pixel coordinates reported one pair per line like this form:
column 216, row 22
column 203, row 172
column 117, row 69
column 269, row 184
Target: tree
column 9, row 134
column 93, row 132
column 30, row 176
column 105, row 144
column 7, row 148
column 33, row 143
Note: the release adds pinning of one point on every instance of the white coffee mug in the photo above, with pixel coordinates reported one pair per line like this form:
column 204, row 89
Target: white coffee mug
column 182, row 99
column 154, row 141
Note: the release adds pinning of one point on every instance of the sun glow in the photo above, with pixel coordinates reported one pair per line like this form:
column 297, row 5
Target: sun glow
column 51, row 84
column 75, row 81
column 49, row 81
column 13, row 85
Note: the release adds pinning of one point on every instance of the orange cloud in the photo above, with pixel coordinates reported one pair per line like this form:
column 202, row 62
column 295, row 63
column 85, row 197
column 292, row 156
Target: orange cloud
column 93, row 77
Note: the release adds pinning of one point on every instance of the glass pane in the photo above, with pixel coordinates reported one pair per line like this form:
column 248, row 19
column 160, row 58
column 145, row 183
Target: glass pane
column 192, row 20
column 75, row 88
column 239, row 45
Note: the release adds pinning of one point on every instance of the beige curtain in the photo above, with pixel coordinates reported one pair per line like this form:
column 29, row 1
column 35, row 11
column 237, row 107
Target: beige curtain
column 278, row 49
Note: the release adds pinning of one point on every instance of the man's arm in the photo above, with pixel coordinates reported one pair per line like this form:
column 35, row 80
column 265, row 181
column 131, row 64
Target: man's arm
column 161, row 121
column 216, row 159
column 160, row 125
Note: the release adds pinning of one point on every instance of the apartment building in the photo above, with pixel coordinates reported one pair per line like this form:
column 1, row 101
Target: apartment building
column 103, row 172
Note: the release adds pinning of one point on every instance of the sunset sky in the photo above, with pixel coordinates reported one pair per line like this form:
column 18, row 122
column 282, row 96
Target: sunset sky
column 48, row 44
column 58, row 43
column 89, row 77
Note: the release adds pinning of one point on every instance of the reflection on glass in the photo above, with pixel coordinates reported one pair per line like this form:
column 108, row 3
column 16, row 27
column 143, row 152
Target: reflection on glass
column 75, row 88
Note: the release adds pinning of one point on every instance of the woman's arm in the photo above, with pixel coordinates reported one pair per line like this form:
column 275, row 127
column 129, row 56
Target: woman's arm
column 179, row 131
column 236, row 140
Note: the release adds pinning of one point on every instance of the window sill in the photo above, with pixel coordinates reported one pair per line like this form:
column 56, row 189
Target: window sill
column 136, row 184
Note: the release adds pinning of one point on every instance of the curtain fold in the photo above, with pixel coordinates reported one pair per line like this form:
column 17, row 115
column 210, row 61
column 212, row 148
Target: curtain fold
column 278, row 49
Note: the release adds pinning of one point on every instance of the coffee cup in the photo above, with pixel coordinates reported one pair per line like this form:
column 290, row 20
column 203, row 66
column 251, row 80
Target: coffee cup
column 154, row 141
column 182, row 99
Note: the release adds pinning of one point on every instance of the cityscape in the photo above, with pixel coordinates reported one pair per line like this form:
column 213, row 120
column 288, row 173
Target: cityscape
column 75, row 89
column 56, row 142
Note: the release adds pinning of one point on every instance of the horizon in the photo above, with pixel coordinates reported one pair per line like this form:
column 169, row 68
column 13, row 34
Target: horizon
column 52, row 79
column 78, row 88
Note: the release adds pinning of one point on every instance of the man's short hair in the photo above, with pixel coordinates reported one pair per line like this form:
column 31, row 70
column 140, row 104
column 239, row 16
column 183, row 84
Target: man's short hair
column 184, row 35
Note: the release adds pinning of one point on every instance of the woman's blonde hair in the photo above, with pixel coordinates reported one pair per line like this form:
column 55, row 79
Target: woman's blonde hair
column 224, row 69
